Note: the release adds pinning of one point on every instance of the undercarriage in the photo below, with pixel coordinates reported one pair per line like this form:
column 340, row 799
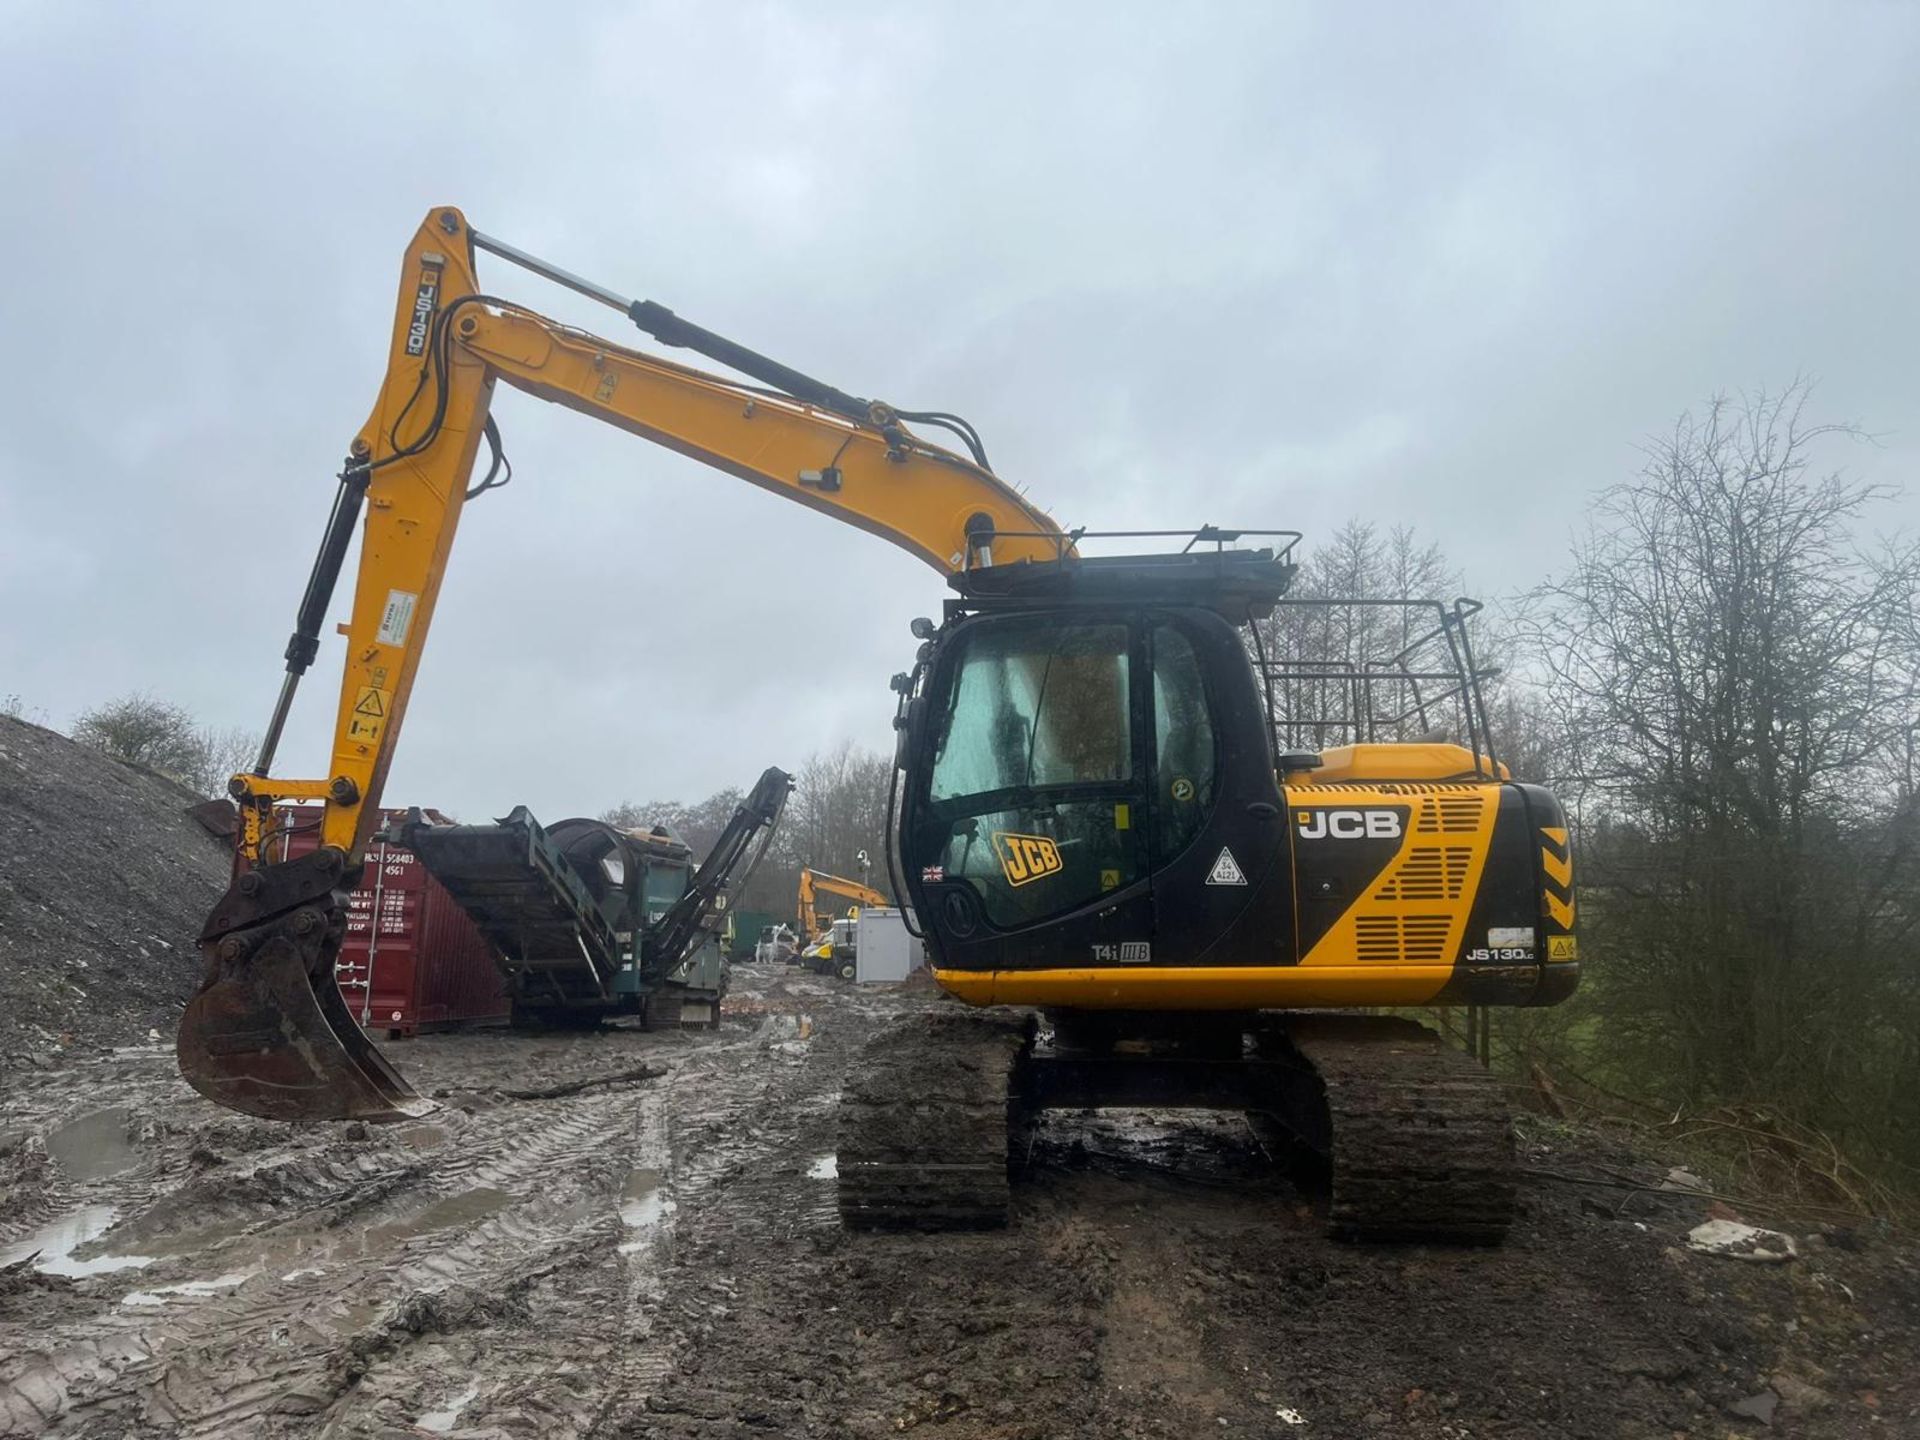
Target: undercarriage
column 1411, row 1139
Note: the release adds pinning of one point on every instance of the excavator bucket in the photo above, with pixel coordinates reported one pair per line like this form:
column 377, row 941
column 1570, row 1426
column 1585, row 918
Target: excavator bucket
column 267, row 1033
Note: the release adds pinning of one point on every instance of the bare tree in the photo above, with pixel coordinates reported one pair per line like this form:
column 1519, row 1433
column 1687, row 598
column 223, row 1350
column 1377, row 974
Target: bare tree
column 839, row 809
column 699, row 824
column 1319, row 648
column 225, row 753
column 1738, row 677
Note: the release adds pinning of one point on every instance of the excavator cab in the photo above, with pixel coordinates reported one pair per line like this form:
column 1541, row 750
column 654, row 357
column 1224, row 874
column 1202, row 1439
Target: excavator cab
column 1088, row 775
column 1160, row 782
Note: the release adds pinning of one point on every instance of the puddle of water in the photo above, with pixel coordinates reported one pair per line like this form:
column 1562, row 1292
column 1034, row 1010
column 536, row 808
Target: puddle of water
column 59, row 1238
column 352, row 1319
column 423, row 1137
column 641, row 1203
column 196, row 1289
column 292, row 1255
column 174, row 1243
column 827, row 1167
column 462, row 1209
column 442, row 1421
column 56, row 1241
column 642, row 1206
column 94, row 1146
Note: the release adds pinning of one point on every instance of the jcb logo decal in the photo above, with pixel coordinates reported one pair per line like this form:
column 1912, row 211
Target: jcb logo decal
column 1556, row 866
column 1348, row 824
column 1026, row 858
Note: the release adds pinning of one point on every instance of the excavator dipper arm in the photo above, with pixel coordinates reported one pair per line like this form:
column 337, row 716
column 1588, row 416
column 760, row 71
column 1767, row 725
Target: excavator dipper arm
column 267, row 1033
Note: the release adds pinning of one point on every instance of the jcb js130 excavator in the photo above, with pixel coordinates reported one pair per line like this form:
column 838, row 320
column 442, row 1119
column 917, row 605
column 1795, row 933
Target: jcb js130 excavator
column 1116, row 797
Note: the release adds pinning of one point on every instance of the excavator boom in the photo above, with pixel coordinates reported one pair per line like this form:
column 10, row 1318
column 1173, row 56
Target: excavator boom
column 814, row 882
column 266, row 1033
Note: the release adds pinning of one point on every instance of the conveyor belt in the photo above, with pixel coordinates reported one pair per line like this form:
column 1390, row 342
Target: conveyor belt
column 525, row 897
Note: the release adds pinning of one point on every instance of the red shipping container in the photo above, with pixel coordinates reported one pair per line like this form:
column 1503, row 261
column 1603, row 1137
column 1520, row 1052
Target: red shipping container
column 412, row 960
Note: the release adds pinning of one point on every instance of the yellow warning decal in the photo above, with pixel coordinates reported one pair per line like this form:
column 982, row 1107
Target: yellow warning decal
column 370, row 710
column 1556, row 867
column 1559, row 869
column 1026, row 858
column 1563, row 947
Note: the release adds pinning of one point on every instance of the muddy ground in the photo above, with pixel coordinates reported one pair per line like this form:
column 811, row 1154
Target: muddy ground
column 658, row 1255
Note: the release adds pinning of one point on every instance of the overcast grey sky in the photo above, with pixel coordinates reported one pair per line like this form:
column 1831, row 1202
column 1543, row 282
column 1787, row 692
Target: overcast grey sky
column 1261, row 264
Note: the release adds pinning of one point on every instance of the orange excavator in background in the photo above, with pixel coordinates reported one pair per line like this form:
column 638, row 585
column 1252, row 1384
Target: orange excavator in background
column 1126, row 794
column 813, row 884
column 827, row 943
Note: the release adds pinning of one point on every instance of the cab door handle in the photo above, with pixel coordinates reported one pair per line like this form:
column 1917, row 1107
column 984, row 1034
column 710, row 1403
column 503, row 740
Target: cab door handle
column 1263, row 810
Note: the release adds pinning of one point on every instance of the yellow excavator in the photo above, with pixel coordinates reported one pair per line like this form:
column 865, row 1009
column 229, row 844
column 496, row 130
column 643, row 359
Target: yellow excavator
column 826, row 943
column 1125, row 798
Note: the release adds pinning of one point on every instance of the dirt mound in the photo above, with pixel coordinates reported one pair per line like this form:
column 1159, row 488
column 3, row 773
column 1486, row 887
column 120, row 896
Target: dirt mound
column 104, row 882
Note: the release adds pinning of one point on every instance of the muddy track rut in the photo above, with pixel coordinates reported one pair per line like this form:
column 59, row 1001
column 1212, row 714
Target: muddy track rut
column 661, row 1257
column 251, row 1278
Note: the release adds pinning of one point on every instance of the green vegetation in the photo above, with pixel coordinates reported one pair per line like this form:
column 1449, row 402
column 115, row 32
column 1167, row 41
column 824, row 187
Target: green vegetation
column 165, row 738
column 1727, row 696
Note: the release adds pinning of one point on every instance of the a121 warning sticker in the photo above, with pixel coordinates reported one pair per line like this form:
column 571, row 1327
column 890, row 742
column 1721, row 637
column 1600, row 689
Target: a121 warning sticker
column 1226, row 871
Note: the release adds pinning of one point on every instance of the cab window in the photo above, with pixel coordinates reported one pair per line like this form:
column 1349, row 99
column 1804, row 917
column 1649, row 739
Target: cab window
column 1035, row 706
column 1032, row 796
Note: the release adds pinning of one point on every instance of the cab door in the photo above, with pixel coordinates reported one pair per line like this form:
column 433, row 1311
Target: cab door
column 1024, row 829
column 1220, row 862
